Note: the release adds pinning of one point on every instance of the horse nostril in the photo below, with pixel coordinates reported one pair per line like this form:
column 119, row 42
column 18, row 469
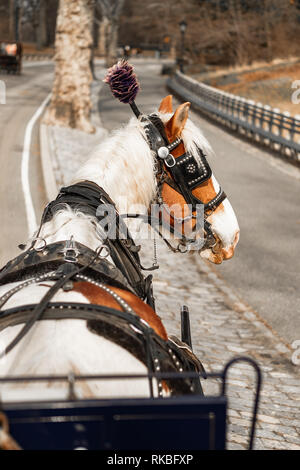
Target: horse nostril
column 228, row 253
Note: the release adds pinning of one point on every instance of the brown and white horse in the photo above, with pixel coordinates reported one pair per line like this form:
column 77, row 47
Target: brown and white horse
column 124, row 166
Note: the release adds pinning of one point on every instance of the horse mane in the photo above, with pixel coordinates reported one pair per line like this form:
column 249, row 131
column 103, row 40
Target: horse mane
column 123, row 165
column 67, row 222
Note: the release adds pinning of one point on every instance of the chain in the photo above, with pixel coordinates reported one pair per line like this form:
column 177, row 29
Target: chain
column 155, row 260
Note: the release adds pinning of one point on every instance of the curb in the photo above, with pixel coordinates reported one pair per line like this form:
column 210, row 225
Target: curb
column 47, row 163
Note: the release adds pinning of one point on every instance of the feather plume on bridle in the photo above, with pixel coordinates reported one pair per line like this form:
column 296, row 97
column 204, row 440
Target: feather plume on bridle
column 124, row 84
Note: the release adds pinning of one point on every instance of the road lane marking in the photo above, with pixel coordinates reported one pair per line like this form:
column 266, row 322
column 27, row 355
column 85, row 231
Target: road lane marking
column 30, row 212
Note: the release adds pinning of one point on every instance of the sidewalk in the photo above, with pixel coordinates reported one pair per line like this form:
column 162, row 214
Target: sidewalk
column 223, row 326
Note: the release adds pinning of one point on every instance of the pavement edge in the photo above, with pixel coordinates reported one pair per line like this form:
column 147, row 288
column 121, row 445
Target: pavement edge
column 47, row 163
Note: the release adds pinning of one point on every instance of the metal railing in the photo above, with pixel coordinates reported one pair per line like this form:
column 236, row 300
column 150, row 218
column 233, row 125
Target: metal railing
column 267, row 126
column 41, row 57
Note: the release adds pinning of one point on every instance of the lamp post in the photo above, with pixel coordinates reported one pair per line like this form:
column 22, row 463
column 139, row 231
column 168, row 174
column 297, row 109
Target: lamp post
column 183, row 26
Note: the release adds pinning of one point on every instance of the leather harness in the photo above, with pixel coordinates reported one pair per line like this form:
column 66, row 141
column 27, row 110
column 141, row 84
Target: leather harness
column 69, row 261
column 127, row 330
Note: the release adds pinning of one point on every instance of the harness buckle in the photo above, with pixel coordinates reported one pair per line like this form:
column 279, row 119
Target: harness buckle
column 103, row 251
column 70, row 251
column 170, row 161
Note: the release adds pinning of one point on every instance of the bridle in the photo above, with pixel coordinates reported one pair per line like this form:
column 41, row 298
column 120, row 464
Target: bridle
column 183, row 174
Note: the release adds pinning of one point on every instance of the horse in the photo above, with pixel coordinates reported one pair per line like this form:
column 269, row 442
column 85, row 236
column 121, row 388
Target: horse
column 76, row 301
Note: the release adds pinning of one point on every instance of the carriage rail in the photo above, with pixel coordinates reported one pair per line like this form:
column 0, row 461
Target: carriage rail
column 71, row 379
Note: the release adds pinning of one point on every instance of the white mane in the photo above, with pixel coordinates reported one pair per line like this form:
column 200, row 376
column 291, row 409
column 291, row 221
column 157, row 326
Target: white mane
column 123, row 165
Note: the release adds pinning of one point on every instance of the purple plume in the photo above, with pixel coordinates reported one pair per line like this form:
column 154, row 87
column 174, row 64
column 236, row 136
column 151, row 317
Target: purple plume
column 123, row 82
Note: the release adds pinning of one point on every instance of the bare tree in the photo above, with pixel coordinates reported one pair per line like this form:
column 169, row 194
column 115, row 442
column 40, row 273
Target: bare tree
column 41, row 25
column 71, row 95
column 32, row 12
column 12, row 19
column 108, row 29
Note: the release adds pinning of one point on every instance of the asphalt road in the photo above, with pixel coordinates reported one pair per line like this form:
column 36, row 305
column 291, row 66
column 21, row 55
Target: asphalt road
column 265, row 194
column 24, row 94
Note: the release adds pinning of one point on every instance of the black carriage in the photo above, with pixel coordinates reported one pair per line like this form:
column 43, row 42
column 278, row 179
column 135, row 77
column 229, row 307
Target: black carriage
column 11, row 56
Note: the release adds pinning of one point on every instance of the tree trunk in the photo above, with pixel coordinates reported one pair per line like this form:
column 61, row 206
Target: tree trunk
column 15, row 17
column 236, row 16
column 108, row 33
column 102, row 36
column 71, row 95
column 41, row 31
column 111, row 43
column 267, row 28
column 12, row 20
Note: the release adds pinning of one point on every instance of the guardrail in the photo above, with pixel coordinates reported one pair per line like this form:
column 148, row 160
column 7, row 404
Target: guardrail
column 270, row 127
column 38, row 57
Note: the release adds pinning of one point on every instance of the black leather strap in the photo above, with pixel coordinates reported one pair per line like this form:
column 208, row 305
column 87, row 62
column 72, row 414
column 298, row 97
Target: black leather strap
column 88, row 197
column 126, row 330
column 188, row 173
column 37, row 262
column 40, row 308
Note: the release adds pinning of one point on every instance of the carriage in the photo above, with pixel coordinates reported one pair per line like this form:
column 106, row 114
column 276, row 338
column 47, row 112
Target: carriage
column 122, row 382
column 11, row 56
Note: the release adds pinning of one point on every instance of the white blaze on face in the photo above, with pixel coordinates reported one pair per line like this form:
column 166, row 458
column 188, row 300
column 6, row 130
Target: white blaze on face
column 225, row 225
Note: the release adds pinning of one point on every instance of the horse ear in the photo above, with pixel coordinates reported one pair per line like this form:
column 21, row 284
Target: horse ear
column 166, row 105
column 177, row 122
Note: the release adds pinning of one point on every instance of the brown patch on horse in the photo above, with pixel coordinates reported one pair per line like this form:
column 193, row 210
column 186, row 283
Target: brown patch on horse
column 166, row 105
column 98, row 296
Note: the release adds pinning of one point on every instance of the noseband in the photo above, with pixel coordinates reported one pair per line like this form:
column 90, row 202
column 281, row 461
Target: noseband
column 183, row 174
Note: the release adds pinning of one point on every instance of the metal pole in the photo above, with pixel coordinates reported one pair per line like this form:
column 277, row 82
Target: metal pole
column 182, row 52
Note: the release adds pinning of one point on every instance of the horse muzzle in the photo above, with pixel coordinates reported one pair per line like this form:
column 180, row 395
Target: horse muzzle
column 218, row 253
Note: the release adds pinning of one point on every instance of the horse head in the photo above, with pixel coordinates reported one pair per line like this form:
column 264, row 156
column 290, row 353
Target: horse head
column 192, row 209
column 185, row 184
column 193, row 184
column 157, row 165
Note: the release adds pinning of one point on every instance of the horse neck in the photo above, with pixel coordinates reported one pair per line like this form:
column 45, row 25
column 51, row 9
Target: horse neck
column 123, row 166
